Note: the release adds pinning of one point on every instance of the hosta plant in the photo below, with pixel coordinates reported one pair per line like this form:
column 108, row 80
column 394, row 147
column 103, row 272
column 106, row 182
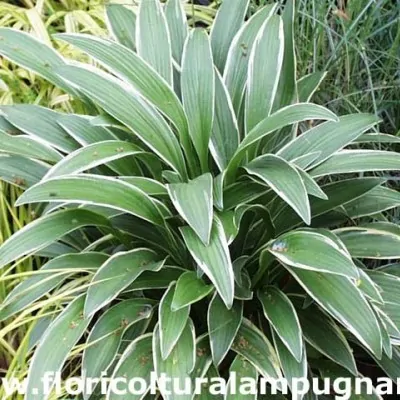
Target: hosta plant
column 204, row 216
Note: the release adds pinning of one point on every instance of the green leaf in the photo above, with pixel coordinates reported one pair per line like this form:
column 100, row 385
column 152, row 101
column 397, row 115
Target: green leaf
column 389, row 286
column 225, row 136
column 21, row 171
column 244, row 371
column 106, row 335
column 46, row 230
column 27, row 146
column 390, row 366
column 55, row 346
column 264, row 71
column 235, row 72
column 147, row 185
column 171, row 323
column 194, row 203
column 129, row 66
column 152, row 38
column 284, row 117
column 375, row 201
column 180, row 362
column 135, row 362
column 282, row 316
column 311, row 186
column 292, row 369
column 116, row 274
column 223, row 325
column 321, row 332
column 369, row 287
column 83, row 189
column 342, row 299
column 351, row 161
column 371, row 241
column 127, row 106
column 328, row 137
column 198, row 91
column 189, row 289
column 308, row 85
column 92, row 156
column 47, row 278
column 214, row 260
column 338, row 193
column 253, row 345
column 157, row 279
column 81, row 128
column 284, row 180
column 303, row 249
column 287, row 90
column 41, row 123
column 178, row 27
column 228, row 21
column 377, row 138
column 23, row 49
column 121, row 23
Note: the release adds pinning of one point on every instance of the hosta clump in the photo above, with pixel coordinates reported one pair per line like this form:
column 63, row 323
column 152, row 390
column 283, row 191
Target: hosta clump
column 204, row 217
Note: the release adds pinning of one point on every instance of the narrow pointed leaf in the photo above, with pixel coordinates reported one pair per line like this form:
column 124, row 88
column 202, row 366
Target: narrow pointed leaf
column 341, row 298
column 172, row 323
column 284, row 117
column 235, row 72
column 282, row 316
column 180, row 362
column 106, row 335
column 227, row 23
column 116, row 274
column 253, row 345
column 312, row 187
column 27, row 146
column 291, row 367
column 60, row 337
column 214, row 260
column 311, row 250
column 325, row 336
column 21, row 171
column 284, row 180
column 350, row 161
column 371, row 242
column 84, row 189
column 81, row 128
column 92, row 156
column 121, row 23
column 46, row 230
column 23, row 49
column 264, row 71
column 244, row 371
column 194, row 202
column 129, row 66
column 375, row 201
column 178, row 27
column 128, row 107
column 189, row 289
column 328, row 137
column 40, row 123
column 135, row 362
column 223, row 325
column 152, row 38
column 198, row 91
column 308, row 85
column 287, row 90
column 225, row 132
